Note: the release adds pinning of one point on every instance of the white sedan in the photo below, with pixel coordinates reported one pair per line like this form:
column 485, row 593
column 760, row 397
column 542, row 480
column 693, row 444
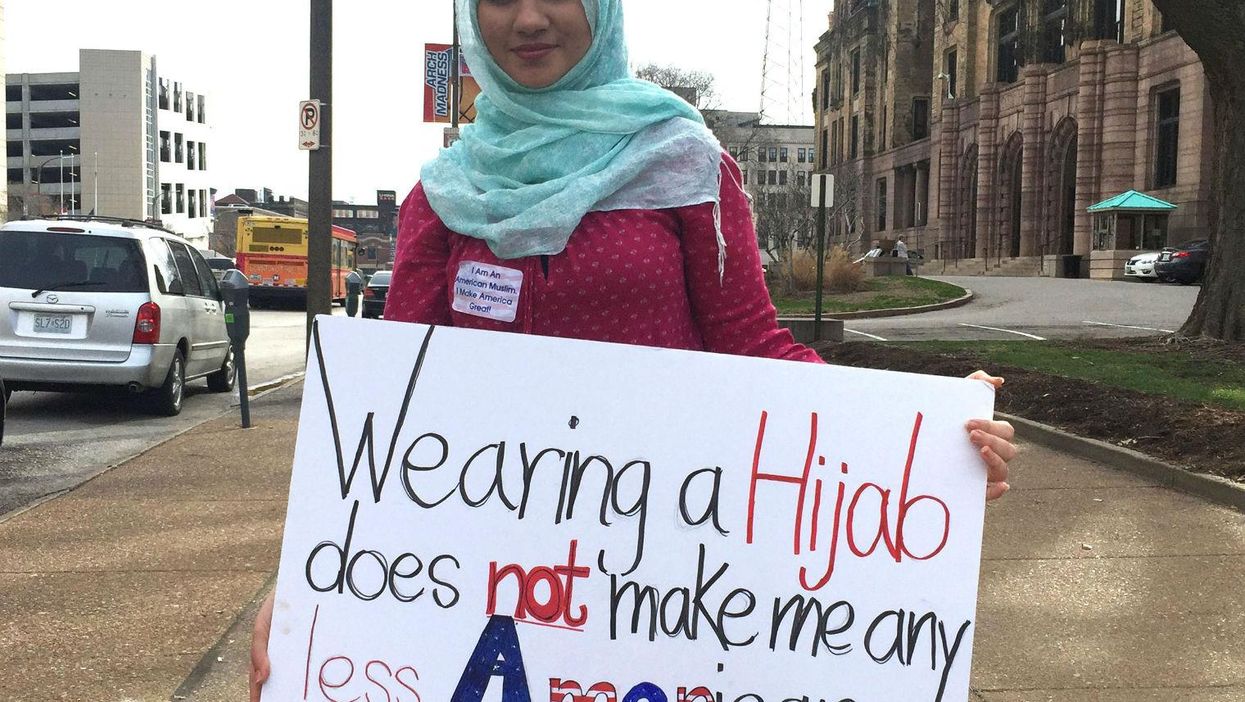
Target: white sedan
column 1142, row 266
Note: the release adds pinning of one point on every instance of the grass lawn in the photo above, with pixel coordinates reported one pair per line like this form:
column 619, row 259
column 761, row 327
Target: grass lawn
column 883, row 294
column 1182, row 376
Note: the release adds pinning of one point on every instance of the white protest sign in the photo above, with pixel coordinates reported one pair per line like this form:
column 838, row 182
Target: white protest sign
column 487, row 516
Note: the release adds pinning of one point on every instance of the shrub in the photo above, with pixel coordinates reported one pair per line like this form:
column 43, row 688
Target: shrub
column 841, row 274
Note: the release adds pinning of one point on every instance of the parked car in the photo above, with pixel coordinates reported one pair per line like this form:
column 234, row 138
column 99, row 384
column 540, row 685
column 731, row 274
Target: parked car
column 1141, row 266
column 374, row 294
column 1184, row 264
column 98, row 302
column 218, row 263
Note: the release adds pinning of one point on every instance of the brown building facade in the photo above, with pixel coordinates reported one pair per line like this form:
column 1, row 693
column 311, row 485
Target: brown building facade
column 981, row 132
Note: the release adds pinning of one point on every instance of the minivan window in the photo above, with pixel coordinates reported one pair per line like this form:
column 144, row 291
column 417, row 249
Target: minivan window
column 168, row 279
column 186, row 268
column 207, row 281
column 63, row 261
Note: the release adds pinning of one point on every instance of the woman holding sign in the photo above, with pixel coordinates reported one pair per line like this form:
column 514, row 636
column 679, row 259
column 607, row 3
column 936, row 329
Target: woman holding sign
column 583, row 203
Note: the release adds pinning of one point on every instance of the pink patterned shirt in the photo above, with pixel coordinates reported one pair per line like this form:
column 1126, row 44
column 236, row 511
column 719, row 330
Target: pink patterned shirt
column 644, row 277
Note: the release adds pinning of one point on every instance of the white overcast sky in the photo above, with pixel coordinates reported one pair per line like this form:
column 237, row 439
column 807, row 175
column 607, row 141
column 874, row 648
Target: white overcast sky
column 251, row 59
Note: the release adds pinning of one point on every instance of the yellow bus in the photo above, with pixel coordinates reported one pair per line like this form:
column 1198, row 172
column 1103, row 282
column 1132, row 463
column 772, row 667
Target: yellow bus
column 272, row 253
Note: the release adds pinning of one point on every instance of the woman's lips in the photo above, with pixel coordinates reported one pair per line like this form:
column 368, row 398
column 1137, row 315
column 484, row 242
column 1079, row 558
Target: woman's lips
column 533, row 52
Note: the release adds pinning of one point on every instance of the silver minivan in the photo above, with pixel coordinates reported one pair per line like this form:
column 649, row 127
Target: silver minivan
column 102, row 302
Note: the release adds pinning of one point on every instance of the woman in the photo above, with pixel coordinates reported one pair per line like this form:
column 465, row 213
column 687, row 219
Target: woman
column 602, row 200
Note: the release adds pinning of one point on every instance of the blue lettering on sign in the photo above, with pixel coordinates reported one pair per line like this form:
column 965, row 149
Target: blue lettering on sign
column 497, row 654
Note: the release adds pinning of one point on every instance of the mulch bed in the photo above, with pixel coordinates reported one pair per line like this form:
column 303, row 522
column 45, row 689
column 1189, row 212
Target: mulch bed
column 1199, row 437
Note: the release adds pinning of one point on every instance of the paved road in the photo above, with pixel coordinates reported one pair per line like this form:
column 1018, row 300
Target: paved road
column 1047, row 308
column 54, row 441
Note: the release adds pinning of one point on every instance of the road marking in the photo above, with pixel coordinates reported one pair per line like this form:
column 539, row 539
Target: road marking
column 875, row 338
column 1005, row 331
column 1127, row 326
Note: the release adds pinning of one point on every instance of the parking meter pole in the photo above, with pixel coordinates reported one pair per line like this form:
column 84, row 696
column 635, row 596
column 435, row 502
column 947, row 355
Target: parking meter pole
column 354, row 290
column 821, row 261
column 244, row 395
column 236, row 290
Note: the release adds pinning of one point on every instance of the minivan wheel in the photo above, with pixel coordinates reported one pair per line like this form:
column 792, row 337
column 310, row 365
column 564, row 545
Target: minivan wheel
column 167, row 399
column 223, row 379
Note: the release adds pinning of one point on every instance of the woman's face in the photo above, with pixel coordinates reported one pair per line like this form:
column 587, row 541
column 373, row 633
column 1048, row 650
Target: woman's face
column 535, row 42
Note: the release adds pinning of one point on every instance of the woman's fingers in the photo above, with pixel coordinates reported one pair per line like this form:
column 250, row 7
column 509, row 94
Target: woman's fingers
column 996, row 490
column 260, row 666
column 991, row 380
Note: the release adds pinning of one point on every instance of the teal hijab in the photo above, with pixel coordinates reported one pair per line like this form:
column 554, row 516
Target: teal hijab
column 537, row 160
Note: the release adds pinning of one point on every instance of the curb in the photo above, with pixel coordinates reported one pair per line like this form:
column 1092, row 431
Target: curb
column 893, row 312
column 269, row 386
column 1209, row 487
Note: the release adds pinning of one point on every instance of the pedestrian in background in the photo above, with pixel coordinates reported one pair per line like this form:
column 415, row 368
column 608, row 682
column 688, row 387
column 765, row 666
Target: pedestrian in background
column 901, row 250
column 600, row 204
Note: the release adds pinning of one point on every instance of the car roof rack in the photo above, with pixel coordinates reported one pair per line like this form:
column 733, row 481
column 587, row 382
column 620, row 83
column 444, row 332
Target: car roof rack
column 123, row 221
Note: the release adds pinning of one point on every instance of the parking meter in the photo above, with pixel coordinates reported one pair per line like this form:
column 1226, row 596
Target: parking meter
column 354, row 289
column 236, row 292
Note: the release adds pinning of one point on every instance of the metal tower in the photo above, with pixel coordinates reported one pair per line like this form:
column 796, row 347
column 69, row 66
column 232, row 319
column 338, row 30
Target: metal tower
column 782, row 71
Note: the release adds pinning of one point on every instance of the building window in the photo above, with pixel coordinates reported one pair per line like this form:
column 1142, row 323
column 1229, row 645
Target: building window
column 191, row 157
column 203, row 203
column 190, row 107
column 773, row 177
column 854, row 148
column 743, row 153
column 164, row 93
column 799, row 155
column 773, row 154
column 882, row 131
column 202, row 109
column 825, row 90
column 734, row 153
column 177, row 97
column 825, row 148
column 920, row 118
column 782, row 177
column 784, row 154
column 1167, row 152
column 181, row 198
column 1055, row 30
column 953, row 10
column 1009, row 53
column 745, row 174
column 855, row 72
column 13, row 93
column 1109, row 20
column 13, row 120
column 193, row 207
column 178, row 152
column 761, row 154
column 882, row 204
column 202, row 156
column 801, row 178
column 166, row 199
column 951, row 68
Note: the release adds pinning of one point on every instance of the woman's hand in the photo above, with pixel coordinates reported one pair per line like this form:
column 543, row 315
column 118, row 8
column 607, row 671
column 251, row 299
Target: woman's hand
column 994, row 442
column 259, row 646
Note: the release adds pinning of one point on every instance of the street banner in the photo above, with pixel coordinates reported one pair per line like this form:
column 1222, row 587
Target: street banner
column 490, row 516
column 438, row 62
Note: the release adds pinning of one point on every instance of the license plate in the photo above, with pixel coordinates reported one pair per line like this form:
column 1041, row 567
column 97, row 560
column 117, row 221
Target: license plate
column 1165, row 257
column 54, row 323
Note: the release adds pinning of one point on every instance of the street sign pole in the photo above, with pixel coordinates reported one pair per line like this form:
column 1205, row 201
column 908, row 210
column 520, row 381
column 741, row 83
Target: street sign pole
column 821, row 261
column 320, row 171
column 823, row 197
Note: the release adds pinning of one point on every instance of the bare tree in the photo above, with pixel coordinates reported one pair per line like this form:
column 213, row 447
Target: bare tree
column 26, row 201
column 1213, row 28
column 785, row 226
column 697, row 87
column 849, row 206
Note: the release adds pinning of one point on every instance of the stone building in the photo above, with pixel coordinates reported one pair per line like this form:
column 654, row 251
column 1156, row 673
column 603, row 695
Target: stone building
column 987, row 129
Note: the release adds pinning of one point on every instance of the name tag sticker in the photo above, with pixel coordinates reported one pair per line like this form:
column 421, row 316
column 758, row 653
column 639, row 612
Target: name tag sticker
column 487, row 291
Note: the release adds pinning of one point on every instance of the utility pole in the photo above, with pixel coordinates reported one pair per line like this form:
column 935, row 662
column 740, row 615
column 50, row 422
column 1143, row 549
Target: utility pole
column 320, row 171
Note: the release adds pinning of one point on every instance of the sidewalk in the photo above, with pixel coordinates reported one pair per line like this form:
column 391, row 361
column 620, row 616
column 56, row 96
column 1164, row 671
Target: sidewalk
column 140, row 585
